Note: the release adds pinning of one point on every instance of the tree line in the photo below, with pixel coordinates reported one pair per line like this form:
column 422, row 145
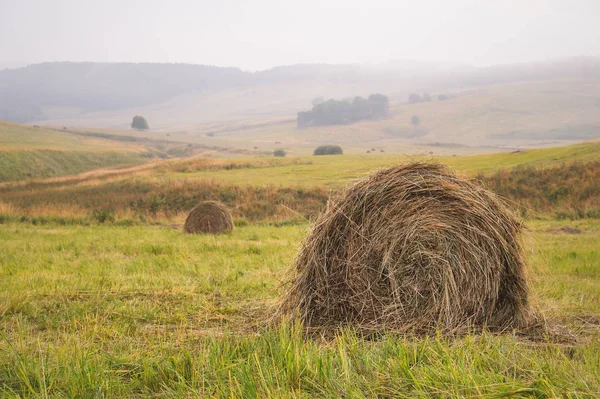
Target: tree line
column 341, row 112
column 414, row 98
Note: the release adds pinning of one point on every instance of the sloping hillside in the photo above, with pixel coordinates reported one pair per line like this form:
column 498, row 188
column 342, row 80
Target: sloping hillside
column 35, row 152
column 21, row 137
column 279, row 189
column 509, row 116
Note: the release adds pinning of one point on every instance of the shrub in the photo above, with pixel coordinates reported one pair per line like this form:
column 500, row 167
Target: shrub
column 279, row 153
column 103, row 215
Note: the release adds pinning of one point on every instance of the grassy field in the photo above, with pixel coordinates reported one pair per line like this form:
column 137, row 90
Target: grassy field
column 108, row 311
column 35, row 152
column 259, row 189
column 17, row 165
column 27, row 138
column 335, row 171
column 103, row 296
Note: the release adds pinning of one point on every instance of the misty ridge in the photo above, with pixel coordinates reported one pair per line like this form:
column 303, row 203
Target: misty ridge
column 24, row 92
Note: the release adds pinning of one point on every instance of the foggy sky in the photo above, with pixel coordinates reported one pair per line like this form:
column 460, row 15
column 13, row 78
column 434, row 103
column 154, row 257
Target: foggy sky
column 261, row 34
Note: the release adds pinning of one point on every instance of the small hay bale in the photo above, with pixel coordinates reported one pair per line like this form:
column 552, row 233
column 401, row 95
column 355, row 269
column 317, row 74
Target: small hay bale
column 413, row 247
column 209, row 217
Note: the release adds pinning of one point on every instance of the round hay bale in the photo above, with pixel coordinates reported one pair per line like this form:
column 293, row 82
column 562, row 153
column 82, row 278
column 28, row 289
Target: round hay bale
column 209, row 217
column 412, row 247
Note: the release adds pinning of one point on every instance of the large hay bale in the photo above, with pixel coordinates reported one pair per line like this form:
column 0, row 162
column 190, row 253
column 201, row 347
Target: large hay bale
column 411, row 247
column 209, row 217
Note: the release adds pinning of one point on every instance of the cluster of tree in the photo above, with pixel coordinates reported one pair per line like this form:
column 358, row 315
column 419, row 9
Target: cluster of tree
column 334, row 112
column 328, row 150
column 414, row 98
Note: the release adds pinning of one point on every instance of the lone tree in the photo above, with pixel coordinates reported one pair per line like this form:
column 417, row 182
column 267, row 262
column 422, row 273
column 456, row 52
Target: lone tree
column 139, row 123
column 415, row 121
column 279, row 153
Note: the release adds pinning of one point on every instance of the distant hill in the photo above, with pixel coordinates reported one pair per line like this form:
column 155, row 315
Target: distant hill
column 104, row 86
column 66, row 91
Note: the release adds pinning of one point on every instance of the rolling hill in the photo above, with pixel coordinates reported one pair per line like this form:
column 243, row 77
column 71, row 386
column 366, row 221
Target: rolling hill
column 483, row 120
column 282, row 189
column 228, row 112
column 35, row 152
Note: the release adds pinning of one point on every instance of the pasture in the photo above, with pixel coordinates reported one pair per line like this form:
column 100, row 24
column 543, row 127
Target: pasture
column 36, row 152
column 146, row 311
column 103, row 295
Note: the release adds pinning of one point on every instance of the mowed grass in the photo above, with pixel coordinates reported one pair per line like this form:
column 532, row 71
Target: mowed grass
column 106, row 311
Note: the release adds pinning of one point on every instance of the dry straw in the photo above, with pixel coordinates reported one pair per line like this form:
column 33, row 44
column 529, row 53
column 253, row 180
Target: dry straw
column 209, row 217
column 413, row 247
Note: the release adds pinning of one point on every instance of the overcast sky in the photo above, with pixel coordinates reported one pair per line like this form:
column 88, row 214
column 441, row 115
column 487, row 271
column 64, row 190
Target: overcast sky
column 261, row 34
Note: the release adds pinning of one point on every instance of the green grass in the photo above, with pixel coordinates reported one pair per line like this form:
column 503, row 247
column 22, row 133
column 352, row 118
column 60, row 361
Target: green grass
column 91, row 310
column 282, row 188
column 36, row 152
column 108, row 311
column 537, row 157
column 21, row 137
column 338, row 170
column 19, row 165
